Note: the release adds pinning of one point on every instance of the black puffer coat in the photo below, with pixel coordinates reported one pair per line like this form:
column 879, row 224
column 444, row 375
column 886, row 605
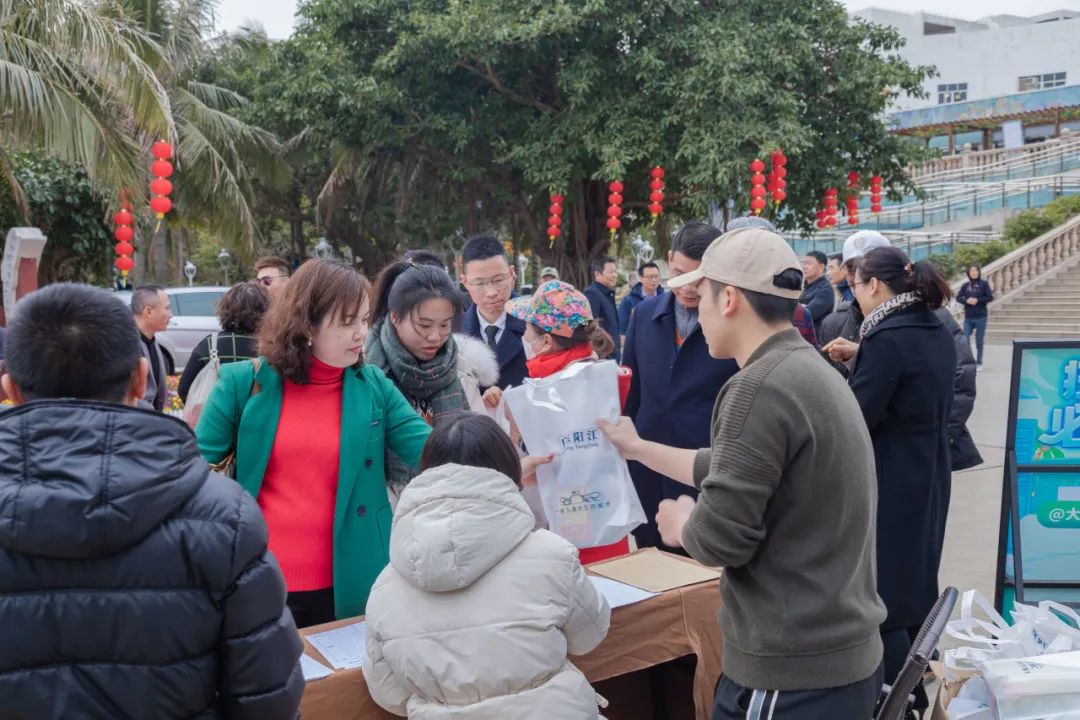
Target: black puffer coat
column 133, row 583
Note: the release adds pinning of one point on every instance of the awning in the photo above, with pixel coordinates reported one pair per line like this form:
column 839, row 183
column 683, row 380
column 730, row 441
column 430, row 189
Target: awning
column 1053, row 104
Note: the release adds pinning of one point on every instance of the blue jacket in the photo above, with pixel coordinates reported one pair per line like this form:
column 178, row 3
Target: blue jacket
column 819, row 299
column 980, row 290
column 671, row 398
column 510, row 350
column 602, row 301
column 626, row 308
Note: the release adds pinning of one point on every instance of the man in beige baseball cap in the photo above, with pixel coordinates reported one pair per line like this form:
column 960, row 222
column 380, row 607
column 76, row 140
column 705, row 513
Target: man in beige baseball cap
column 788, row 498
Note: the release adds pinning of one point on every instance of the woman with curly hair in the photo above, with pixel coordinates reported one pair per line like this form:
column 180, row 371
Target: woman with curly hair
column 308, row 424
column 239, row 311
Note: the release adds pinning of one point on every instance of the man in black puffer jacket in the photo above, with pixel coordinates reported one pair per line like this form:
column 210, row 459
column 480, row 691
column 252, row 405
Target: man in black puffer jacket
column 134, row 583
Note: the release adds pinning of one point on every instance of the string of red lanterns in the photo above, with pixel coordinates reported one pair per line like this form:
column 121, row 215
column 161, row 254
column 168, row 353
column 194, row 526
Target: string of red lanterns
column 555, row 211
column 853, row 198
column 124, row 234
column 757, row 186
column 777, row 184
column 160, row 187
column 830, row 200
column 875, row 194
column 614, row 210
column 656, row 196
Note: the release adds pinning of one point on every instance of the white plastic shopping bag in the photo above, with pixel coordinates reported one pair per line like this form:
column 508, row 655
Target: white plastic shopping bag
column 586, row 492
column 1046, row 687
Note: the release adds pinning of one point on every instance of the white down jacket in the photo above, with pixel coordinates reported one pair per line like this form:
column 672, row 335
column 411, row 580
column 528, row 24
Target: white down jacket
column 475, row 615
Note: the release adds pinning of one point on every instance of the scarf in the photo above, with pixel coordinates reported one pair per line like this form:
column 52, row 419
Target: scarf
column 686, row 320
column 547, row 364
column 432, row 387
column 887, row 308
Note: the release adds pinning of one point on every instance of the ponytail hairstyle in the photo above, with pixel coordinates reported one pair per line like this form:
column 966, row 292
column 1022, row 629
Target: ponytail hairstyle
column 894, row 268
column 591, row 332
column 404, row 284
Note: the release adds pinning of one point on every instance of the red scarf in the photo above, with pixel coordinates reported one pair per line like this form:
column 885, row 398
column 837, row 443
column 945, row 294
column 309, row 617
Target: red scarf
column 547, row 364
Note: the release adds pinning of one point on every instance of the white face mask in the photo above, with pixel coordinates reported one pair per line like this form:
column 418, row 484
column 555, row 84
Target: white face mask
column 530, row 350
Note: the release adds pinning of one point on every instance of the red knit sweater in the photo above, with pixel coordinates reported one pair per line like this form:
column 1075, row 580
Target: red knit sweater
column 300, row 485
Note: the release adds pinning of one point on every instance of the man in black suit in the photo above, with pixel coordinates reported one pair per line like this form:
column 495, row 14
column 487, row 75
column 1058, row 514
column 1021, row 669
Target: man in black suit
column 489, row 278
column 601, row 295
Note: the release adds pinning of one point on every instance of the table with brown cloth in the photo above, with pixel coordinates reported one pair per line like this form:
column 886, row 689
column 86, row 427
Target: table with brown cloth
column 672, row 625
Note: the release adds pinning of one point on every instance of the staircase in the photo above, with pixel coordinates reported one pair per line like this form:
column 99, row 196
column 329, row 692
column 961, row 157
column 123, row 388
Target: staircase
column 1036, row 288
column 1049, row 309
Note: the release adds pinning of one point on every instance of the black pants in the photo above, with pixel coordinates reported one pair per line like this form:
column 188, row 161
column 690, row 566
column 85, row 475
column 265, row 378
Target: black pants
column 848, row 702
column 311, row 607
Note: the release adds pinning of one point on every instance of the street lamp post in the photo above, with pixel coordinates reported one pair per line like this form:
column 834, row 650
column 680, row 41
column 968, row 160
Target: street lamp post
column 223, row 259
column 523, row 264
column 189, row 272
column 323, row 249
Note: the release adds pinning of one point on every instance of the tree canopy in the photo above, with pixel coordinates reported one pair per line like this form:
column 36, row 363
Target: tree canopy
column 441, row 116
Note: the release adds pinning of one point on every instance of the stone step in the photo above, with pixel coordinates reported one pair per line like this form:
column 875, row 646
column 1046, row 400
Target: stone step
column 1032, row 332
column 1025, row 313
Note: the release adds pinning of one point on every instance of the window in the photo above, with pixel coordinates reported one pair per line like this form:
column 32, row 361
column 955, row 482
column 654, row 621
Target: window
column 951, row 93
column 1041, row 82
column 198, row 304
column 930, row 28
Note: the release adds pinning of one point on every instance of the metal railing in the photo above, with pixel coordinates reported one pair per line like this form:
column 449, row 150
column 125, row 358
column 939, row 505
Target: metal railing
column 1056, row 155
column 917, row 245
column 971, row 200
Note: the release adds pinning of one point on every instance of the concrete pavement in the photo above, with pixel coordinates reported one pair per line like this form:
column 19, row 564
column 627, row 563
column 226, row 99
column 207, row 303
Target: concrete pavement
column 971, row 534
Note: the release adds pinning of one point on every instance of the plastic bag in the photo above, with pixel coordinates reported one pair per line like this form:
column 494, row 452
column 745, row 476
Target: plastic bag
column 1046, row 687
column 1035, row 630
column 586, row 492
column 203, row 384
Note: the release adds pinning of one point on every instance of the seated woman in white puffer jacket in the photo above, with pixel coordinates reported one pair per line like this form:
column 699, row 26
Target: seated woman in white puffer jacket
column 476, row 613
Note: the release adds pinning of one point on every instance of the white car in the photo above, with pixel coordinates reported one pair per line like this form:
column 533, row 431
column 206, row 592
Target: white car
column 194, row 317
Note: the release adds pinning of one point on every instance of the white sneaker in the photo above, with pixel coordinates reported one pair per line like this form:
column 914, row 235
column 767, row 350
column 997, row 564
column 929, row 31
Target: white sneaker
column 979, row 369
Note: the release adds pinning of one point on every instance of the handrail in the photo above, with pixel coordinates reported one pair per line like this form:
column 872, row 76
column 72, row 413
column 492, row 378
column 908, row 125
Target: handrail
column 999, row 159
column 1031, row 263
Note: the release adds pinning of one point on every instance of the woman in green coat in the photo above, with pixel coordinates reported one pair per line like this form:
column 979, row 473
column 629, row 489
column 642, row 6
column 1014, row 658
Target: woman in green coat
column 308, row 424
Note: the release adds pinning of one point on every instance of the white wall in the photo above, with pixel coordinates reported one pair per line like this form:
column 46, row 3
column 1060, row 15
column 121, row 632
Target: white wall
column 989, row 59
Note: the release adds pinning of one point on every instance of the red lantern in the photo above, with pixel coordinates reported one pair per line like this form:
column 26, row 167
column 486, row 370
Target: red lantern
column 829, row 201
column 875, row 194
column 777, row 184
column 124, row 265
column 820, row 224
column 555, row 211
column 161, row 150
column 161, row 186
column 614, row 208
column 656, row 197
column 757, row 187
column 123, row 218
column 124, row 234
column 160, row 206
column 161, row 169
column 778, row 196
column 124, row 248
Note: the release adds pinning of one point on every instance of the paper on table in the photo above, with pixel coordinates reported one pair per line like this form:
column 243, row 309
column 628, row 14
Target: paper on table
column 654, row 571
column 344, row 647
column 619, row 594
column 313, row 669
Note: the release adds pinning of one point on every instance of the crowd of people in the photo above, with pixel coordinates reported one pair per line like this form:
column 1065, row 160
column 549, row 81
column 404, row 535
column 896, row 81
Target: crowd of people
column 794, row 422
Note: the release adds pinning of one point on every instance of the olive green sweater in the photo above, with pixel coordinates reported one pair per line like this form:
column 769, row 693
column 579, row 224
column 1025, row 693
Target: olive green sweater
column 787, row 507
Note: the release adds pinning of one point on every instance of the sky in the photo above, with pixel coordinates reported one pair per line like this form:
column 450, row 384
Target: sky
column 276, row 16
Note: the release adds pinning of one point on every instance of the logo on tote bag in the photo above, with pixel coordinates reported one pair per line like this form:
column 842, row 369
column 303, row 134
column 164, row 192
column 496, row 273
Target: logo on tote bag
column 578, row 501
column 584, row 439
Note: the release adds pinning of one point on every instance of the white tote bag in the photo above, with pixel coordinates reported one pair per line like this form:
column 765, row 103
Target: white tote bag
column 203, row 384
column 586, row 492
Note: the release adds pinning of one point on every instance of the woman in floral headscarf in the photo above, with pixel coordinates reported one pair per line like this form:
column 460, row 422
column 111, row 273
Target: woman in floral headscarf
column 560, row 330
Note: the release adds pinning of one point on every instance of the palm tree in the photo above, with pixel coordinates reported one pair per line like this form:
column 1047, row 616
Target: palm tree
column 81, row 86
column 218, row 155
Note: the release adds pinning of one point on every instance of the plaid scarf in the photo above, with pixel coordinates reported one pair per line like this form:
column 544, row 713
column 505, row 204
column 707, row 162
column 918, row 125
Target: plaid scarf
column 887, row 308
column 431, row 385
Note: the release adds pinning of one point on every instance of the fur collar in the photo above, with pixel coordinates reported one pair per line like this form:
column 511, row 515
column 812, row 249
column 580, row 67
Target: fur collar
column 476, row 360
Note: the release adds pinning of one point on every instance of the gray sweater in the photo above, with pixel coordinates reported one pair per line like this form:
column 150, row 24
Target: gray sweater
column 788, row 508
